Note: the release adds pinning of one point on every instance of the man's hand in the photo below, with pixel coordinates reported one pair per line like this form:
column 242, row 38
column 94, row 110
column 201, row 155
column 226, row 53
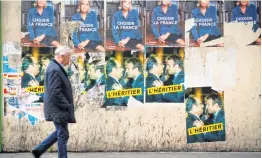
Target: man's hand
column 198, row 123
column 117, row 87
column 33, row 83
column 202, row 39
column 157, row 83
column 83, row 44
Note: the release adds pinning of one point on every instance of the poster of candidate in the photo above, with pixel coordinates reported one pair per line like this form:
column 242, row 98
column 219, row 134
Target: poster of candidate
column 124, row 79
column 40, row 23
column 165, row 23
column 86, row 74
column 89, row 35
column 125, row 25
column 246, row 12
column 207, row 28
column 34, row 64
column 205, row 121
column 164, row 75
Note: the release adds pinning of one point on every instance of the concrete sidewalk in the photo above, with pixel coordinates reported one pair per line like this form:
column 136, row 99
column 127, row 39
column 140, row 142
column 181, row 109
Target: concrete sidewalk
column 142, row 155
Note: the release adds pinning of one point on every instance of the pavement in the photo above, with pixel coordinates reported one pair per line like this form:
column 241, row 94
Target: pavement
column 141, row 155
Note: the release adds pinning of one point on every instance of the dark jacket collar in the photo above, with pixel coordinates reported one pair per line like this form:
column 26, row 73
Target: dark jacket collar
column 181, row 73
column 193, row 117
column 59, row 65
column 153, row 75
column 112, row 78
column 138, row 79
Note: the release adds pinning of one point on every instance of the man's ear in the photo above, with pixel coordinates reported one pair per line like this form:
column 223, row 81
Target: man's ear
column 216, row 104
column 113, row 69
column 30, row 65
column 98, row 70
column 154, row 66
column 136, row 69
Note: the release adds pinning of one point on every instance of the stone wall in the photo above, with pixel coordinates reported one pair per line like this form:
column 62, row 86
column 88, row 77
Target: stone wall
column 155, row 127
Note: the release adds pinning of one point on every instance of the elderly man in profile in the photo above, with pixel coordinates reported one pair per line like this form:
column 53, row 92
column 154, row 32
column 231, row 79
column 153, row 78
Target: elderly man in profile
column 58, row 102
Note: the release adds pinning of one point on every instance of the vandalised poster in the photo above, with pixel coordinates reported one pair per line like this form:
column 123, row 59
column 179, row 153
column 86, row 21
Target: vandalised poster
column 34, row 64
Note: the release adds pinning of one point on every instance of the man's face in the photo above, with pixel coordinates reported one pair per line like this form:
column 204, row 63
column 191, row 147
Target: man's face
column 92, row 72
column 66, row 59
column 210, row 106
column 130, row 70
column 160, row 67
column 171, row 67
column 84, row 6
column 118, row 70
column 126, row 4
column 198, row 107
column 34, row 67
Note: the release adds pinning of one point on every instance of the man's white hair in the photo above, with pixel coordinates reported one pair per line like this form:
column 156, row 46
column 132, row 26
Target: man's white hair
column 63, row 50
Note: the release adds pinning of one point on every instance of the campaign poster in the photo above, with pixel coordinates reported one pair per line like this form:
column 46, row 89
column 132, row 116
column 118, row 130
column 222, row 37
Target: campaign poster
column 11, row 84
column 86, row 74
column 165, row 23
column 207, row 28
column 125, row 25
column 88, row 16
column 205, row 121
column 164, row 75
column 40, row 23
column 251, row 14
column 124, row 79
column 34, row 64
column 32, row 112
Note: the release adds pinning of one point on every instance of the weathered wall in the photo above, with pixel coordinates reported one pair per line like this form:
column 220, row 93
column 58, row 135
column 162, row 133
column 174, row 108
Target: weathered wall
column 154, row 127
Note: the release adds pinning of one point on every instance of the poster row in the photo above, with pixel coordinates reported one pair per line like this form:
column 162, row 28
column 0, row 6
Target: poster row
column 131, row 25
column 118, row 80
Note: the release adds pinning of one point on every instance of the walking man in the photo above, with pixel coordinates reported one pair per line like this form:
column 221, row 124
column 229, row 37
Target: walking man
column 58, row 103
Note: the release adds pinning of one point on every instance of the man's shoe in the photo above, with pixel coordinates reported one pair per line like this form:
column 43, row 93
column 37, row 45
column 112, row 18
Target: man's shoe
column 36, row 153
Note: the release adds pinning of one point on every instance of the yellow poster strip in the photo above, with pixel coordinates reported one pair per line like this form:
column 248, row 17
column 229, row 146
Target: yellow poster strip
column 36, row 89
column 164, row 89
column 124, row 92
column 205, row 129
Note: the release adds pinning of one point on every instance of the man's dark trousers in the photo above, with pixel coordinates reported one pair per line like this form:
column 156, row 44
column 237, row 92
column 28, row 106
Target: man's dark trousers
column 61, row 135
